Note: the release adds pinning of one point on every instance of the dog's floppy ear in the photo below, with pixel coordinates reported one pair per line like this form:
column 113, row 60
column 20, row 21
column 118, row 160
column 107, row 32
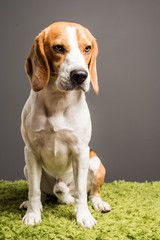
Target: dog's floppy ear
column 92, row 67
column 36, row 64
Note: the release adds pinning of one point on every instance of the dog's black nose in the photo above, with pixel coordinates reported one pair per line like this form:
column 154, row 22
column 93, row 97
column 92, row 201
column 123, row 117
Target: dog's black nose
column 78, row 76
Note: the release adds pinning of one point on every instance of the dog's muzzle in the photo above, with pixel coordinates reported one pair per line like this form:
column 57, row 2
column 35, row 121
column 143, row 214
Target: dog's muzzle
column 77, row 77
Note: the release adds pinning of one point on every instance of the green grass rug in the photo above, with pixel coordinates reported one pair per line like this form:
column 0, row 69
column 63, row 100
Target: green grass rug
column 135, row 214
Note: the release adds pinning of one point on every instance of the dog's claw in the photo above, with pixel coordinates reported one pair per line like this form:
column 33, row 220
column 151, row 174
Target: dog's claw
column 32, row 217
column 85, row 218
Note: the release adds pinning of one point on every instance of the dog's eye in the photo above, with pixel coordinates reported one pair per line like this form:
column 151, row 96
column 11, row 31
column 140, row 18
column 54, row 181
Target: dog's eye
column 87, row 49
column 59, row 48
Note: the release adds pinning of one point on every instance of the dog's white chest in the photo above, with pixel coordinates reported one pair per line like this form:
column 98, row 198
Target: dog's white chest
column 57, row 136
column 55, row 141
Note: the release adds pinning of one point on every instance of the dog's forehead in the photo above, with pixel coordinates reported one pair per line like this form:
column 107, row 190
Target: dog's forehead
column 59, row 32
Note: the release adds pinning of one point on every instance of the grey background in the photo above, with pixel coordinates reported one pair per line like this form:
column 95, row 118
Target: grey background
column 125, row 114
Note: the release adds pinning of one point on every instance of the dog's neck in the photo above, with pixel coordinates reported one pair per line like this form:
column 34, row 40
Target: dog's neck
column 55, row 101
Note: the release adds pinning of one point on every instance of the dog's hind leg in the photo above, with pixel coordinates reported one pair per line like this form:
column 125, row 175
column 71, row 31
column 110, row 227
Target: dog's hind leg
column 96, row 176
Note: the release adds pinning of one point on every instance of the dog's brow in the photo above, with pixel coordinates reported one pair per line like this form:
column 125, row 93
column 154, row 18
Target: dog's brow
column 60, row 41
column 81, row 38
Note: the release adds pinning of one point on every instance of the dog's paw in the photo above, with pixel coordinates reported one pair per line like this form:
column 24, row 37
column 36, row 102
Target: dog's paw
column 24, row 205
column 32, row 217
column 100, row 205
column 84, row 217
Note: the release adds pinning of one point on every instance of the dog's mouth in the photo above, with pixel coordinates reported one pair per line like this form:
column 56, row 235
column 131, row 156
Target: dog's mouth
column 68, row 86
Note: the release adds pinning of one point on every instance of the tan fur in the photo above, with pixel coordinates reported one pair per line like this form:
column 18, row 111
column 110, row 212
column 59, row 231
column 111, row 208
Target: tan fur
column 92, row 154
column 98, row 181
column 37, row 64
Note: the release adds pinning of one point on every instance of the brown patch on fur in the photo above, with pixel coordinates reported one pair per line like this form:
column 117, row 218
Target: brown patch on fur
column 92, row 154
column 56, row 35
column 85, row 38
column 98, row 181
column 36, row 64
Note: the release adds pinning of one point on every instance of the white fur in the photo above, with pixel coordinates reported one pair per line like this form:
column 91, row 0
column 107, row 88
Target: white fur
column 58, row 142
column 93, row 167
column 100, row 205
column 94, row 164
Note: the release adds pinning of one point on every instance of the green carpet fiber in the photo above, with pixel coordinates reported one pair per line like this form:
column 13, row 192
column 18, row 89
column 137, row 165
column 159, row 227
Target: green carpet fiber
column 135, row 214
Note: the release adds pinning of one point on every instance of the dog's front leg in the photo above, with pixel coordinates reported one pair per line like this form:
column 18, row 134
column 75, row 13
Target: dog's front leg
column 80, row 169
column 34, row 172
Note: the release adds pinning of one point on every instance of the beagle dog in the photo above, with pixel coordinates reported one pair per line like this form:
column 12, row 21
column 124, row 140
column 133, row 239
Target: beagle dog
column 56, row 125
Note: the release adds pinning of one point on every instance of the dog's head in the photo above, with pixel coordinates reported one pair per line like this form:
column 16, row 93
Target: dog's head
column 65, row 54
